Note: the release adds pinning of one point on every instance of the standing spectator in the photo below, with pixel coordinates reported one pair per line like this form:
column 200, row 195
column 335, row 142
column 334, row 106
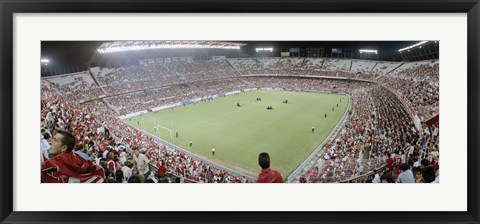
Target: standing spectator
column 122, row 155
column 411, row 150
column 389, row 162
column 142, row 162
column 161, row 170
column 267, row 175
column 127, row 170
column 101, row 130
column 435, row 133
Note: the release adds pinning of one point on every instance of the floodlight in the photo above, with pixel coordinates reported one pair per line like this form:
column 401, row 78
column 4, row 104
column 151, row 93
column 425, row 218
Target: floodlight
column 262, row 49
column 44, row 60
column 415, row 45
column 368, row 51
column 119, row 47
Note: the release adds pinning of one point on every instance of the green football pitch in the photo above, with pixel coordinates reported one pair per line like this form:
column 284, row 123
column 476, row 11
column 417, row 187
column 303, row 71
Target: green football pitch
column 239, row 134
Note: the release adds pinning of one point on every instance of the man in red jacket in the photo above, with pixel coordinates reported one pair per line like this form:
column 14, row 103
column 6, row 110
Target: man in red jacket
column 66, row 166
column 267, row 175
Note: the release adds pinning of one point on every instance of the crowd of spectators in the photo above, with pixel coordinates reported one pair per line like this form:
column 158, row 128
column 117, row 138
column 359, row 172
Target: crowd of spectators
column 419, row 87
column 152, row 98
column 141, row 77
column 78, row 89
column 103, row 139
column 145, row 99
column 379, row 133
column 294, row 67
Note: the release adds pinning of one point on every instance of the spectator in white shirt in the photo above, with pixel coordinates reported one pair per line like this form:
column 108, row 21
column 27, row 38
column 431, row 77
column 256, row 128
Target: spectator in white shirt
column 44, row 145
column 142, row 162
column 406, row 176
column 376, row 179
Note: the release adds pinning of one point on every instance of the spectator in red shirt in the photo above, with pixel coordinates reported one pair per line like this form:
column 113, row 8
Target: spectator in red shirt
column 267, row 175
column 68, row 167
column 389, row 162
column 161, row 170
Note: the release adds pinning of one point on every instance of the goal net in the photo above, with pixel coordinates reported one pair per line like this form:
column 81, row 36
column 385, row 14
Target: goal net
column 163, row 132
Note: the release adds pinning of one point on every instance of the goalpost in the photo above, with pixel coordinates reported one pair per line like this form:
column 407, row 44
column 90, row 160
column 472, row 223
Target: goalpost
column 160, row 127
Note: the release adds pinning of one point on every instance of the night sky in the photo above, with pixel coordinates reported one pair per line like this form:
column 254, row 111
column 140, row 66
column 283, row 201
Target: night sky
column 78, row 53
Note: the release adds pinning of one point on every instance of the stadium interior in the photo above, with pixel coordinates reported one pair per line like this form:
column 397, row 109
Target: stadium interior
column 393, row 118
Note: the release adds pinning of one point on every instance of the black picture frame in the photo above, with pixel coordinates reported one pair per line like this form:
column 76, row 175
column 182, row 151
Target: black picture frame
column 9, row 7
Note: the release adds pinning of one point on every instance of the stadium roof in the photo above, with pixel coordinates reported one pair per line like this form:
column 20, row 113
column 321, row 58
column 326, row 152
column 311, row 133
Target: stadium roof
column 119, row 46
column 77, row 53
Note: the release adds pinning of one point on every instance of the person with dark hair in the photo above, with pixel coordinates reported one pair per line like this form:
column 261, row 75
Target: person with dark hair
column 267, row 175
column 119, row 176
column 425, row 163
column 428, row 174
column 389, row 162
column 389, row 179
column 66, row 166
column 134, row 179
column 406, row 176
column 150, row 181
column 112, row 181
column 103, row 163
column 62, row 142
column 161, row 170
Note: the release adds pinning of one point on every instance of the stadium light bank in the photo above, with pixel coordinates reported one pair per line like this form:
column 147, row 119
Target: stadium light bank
column 44, row 60
column 264, row 49
column 368, row 51
column 415, row 45
column 163, row 46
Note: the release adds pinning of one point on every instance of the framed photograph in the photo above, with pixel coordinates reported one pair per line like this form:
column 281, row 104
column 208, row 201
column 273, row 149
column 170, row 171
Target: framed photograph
column 191, row 106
